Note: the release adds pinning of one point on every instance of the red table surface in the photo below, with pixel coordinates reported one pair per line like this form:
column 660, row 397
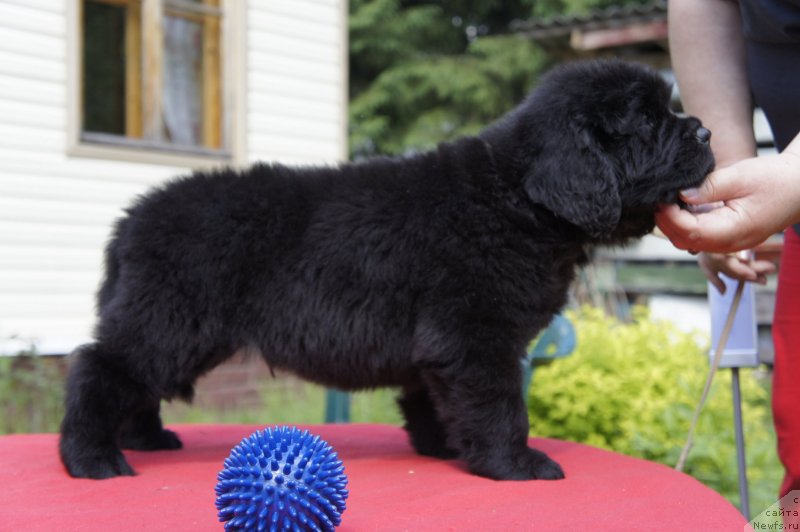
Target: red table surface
column 391, row 488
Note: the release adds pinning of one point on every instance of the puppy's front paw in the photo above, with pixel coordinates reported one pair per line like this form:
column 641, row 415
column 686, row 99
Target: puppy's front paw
column 169, row 440
column 161, row 440
column 546, row 469
column 524, row 464
column 434, row 449
column 537, row 465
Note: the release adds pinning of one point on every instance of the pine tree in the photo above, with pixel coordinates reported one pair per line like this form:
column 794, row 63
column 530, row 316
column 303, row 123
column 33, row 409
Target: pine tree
column 423, row 71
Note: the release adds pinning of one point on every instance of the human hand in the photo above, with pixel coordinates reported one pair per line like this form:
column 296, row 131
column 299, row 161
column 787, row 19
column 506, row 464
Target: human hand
column 761, row 196
column 736, row 266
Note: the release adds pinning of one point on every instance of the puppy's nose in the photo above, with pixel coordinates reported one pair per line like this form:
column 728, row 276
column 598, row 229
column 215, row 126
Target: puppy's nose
column 703, row 135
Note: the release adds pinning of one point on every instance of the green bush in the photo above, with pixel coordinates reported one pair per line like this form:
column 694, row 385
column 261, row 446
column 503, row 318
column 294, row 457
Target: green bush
column 633, row 387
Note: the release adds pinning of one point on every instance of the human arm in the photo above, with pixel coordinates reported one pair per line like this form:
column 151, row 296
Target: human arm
column 708, row 55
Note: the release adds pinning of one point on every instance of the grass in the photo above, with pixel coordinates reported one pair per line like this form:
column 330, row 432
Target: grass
column 31, row 393
column 32, row 396
column 303, row 404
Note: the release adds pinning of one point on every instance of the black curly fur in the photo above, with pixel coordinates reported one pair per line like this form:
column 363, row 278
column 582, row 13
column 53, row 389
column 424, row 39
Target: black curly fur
column 429, row 272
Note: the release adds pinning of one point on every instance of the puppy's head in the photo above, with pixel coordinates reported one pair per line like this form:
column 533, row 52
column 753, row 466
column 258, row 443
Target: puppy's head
column 597, row 145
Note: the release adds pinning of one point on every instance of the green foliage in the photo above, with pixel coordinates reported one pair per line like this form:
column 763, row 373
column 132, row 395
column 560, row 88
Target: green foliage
column 549, row 8
column 424, row 71
column 31, row 393
column 435, row 98
column 632, row 388
column 382, row 33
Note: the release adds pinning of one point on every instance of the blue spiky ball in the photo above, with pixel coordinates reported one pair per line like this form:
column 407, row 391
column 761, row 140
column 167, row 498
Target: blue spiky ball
column 281, row 478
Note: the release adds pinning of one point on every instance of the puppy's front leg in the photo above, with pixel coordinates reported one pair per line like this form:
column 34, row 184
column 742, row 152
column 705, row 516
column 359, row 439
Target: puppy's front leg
column 479, row 402
column 425, row 430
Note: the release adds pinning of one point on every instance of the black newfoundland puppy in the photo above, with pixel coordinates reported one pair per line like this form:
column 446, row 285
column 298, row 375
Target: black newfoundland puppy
column 429, row 273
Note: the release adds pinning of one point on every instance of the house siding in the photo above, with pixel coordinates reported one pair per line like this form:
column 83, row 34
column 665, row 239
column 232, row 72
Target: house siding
column 57, row 209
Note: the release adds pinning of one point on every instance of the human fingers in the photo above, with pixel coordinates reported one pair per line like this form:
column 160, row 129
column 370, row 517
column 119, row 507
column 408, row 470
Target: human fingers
column 717, row 231
column 677, row 225
column 739, row 269
column 713, row 277
column 734, row 267
column 763, row 267
column 720, row 185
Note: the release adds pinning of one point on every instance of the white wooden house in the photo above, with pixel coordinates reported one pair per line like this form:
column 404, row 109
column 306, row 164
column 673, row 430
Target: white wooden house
column 101, row 99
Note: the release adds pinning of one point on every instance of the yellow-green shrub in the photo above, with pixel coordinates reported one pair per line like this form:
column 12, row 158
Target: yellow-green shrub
column 633, row 387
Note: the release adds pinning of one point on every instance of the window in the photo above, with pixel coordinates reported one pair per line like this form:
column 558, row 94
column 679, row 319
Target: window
column 151, row 76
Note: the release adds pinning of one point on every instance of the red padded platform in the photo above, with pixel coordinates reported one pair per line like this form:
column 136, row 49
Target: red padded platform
column 391, row 488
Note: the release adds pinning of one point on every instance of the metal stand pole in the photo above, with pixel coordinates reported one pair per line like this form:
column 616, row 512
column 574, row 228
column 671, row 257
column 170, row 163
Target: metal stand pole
column 337, row 407
column 744, row 497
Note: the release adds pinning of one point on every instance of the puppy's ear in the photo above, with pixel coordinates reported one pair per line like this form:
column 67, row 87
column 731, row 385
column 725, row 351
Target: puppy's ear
column 573, row 178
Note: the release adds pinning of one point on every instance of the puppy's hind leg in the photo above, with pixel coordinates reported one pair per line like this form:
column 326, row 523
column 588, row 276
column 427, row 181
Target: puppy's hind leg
column 424, row 429
column 100, row 397
column 143, row 431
